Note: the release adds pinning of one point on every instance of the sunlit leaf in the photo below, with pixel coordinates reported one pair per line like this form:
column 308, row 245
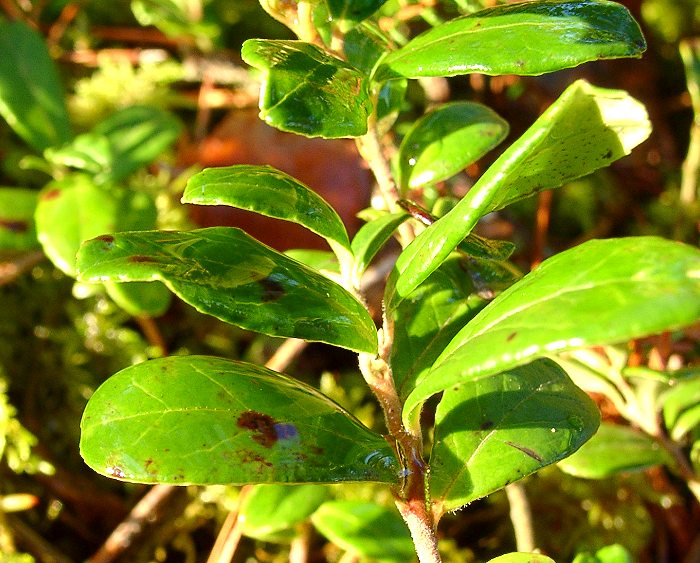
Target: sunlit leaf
column 224, row 272
column 497, row 429
column 614, row 449
column 601, row 292
column 446, row 140
column 307, row 91
column 527, row 38
column 140, row 298
column 585, row 129
column 522, row 557
column 267, row 191
column 681, row 406
column 32, row 100
column 364, row 528
column 202, row 420
column 371, row 237
column 17, row 230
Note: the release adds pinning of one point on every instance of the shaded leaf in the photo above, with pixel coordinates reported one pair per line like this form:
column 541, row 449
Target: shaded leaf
column 203, row 420
column 447, row 140
column 601, row 292
column 585, row 129
column 17, row 229
column 614, row 449
column 307, row 91
column 497, row 429
column 270, row 192
column 528, row 38
column 367, row 529
column 121, row 144
column 32, row 99
column 681, row 406
column 353, row 10
column 224, row 272
column 270, row 509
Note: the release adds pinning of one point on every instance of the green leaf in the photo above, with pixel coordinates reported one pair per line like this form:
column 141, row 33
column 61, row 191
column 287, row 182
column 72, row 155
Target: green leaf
column 270, row 192
column 364, row 45
column 526, row 39
column 17, row 229
column 367, row 529
column 681, row 406
column 585, row 129
column 32, row 99
column 428, row 319
column 270, row 509
column 522, row 557
column 614, row 553
column 140, row 298
column 446, row 140
column 121, row 144
column 320, row 260
column 70, row 211
column 497, row 429
column 371, row 237
column 614, row 449
column 307, row 91
column 353, row 10
column 202, row 420
column 226, row 273
column 601, row 292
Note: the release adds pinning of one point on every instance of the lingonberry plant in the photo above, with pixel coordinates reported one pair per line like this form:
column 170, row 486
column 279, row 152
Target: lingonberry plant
column 459, row 321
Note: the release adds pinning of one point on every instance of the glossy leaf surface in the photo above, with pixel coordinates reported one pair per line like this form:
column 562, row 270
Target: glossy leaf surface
column 601, row 292
column 428, row 320
column 614, row 449
column 224, row 272
column 446, row 140
column 17, row 230
column 203, row 420
column 496, row 429
column 140, row 298
column 307, row 91
column 271, row 509
column 70, row 211
column 121, row 144
column 525, row 39
column 267, row 191
column 367, row 529
column 353, row 10
column 32, row 100
column 681, row 407
column 371, row 237
column 587, row 128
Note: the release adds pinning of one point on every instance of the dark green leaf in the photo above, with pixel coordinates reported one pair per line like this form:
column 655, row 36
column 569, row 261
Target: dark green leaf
column 364, row 45
column 121, row 144
column 224, row 272
column 496, row 429
column 681, row 406
column 371, row 237
column 307, row 91
column 270, row 192
column 270, row 509
column 428, row 319
column 601, row 292
column 140, row 298
column 527, row 38
column 614, row 449
column 70, row 211
column 17, row 230
column 353, row 10
column 585, row 129
column 446, row 140
column 364, row 528
column 202, row 420
column 32, row 99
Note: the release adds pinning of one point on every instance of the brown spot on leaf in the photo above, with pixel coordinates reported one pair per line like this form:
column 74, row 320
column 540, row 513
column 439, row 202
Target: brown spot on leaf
column 272, row 289
column 261, row 425
column 14, row 226
column 486, row 425
column 51, row 194
column 527, row 451
column 511, row 336
column 139, row 259
column 105, row 238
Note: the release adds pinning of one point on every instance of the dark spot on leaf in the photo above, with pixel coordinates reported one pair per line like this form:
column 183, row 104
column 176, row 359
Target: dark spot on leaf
column 272, row 289
column 14, row 226
column 511, row 336
column 115, row 471
column 527, row 451
column 520, row 63
column 105, row 238
column 51, row 194
column 248, row 456
column 608, row 154
column 486, row 425
column 139, row 259
column 316, row 450
column 261, row 425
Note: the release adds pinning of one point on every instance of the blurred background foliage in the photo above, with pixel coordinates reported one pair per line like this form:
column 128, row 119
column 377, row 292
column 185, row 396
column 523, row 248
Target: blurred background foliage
column 59, row 340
